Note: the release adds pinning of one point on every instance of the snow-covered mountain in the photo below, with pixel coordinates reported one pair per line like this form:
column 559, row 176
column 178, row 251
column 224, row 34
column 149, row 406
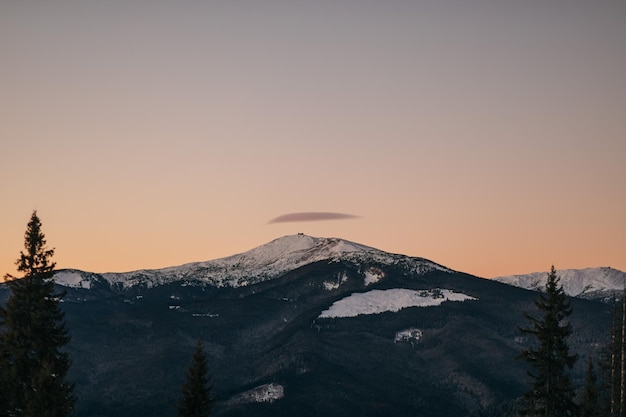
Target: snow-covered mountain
column 590, row 283
column 259, row 264
column 308, row 324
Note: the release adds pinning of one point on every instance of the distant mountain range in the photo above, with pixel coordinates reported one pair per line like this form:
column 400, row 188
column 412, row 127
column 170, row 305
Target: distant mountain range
column 590, row 283
column 291, row 252
column 306, row 326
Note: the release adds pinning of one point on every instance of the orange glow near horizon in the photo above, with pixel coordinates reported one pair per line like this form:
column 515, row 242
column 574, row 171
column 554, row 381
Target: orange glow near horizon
column 487, row 138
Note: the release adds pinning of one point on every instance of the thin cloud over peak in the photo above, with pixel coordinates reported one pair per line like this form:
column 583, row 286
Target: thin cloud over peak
column 312, row 216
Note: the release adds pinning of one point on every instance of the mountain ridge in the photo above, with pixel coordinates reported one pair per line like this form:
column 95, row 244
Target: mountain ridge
column 274, row 258
column 589, row 283
column 261, row 263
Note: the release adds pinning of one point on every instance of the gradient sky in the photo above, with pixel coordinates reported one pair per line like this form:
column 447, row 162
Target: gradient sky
column 488, row 136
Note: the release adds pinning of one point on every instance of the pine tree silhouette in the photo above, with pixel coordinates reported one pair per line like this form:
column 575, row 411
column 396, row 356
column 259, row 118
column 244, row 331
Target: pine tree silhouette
column 196, row 392
column 590, row 403
column 33, row 367
column 550, row 392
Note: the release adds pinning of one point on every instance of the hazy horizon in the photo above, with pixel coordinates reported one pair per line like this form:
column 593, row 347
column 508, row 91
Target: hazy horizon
column 485, row 136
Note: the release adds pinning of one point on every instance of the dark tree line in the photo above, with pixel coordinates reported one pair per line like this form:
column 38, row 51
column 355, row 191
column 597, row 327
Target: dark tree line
column 33, row 334
column 603, row 394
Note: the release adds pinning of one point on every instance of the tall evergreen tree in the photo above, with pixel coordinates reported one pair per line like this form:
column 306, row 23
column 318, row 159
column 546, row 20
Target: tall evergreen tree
column 33, row 365
column 196, row 392
column 550, row 392
column 589, row 403
column 612, row 365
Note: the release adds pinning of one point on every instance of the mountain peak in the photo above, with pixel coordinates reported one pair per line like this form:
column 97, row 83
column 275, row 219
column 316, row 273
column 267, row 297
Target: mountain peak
column 289, row 252
column 262, row 263
column 300, row 242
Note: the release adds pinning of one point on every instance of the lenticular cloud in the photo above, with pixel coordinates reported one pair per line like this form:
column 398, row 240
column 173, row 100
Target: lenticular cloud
column 311, row 217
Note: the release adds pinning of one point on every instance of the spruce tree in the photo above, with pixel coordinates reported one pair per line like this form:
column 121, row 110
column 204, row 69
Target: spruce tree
column 550, row 392
column 589, row 403
column 196, row 392
column 33, row 365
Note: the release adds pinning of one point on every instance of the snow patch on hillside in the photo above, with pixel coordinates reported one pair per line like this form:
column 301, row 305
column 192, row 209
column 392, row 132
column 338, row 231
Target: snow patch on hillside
column 379, row 301
column 329, row 286
column 333, row 285
column 71, row 279
column 373, row 275
column 408, row 335
column 266, row 393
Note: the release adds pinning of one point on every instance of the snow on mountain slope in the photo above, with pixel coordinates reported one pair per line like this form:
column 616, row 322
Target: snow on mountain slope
column 72, row 279
column 380, row 301
column 584, row 283
column 261, row 263
column 266, row 393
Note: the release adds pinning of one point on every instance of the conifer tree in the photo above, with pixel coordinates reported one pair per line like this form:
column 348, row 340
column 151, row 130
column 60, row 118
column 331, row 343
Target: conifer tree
column 550, row 392
column 33, row 365
column 612, row 364
column 589, row 403
column 196, row 392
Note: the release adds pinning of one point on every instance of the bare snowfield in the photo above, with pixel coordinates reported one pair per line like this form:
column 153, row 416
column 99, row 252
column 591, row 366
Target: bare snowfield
column 379, row 301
